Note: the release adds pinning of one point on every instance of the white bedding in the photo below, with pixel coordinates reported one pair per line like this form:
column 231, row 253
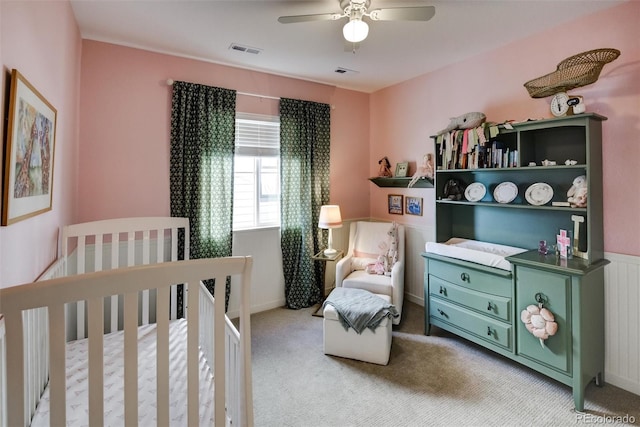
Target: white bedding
column 489, row 254
column 77, row 382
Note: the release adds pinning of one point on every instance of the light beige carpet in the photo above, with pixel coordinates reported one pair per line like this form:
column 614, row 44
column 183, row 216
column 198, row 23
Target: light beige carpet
column 437, row 380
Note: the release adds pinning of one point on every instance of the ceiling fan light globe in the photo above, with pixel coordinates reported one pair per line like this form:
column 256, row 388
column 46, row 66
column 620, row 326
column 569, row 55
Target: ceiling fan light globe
column 355, row 30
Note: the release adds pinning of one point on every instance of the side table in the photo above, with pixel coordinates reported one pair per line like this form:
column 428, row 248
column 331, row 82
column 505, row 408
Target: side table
column 320, row 256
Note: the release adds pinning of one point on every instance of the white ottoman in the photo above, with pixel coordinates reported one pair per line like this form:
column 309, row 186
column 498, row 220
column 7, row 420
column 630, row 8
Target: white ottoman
column 369, row 346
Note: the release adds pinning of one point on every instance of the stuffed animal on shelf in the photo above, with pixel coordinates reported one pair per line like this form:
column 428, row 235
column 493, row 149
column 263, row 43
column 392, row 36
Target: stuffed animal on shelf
column 577, row 194
column 425, row 169
column 385, row 167
column 453, row 190
column 465, row 121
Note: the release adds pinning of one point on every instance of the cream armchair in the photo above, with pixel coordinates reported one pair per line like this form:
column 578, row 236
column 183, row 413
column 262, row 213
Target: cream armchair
column 364, row 247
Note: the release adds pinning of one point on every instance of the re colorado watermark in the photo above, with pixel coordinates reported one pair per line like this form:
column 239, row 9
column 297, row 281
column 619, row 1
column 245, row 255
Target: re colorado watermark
column 585, row 418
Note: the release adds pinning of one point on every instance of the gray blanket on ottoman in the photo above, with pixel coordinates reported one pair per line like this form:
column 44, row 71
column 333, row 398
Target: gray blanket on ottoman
column 359, row 309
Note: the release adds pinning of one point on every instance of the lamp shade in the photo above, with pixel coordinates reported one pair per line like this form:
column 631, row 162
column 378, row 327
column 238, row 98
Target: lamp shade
column 330, row 217
column 355, row 30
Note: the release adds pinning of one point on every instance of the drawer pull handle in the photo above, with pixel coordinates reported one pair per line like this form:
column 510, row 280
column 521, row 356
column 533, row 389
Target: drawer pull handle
column 489, row 332
column 442, row 313
column 443, row 291
column 490, row 306
column 464, row 277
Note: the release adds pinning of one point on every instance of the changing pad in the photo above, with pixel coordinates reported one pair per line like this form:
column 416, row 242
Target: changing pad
column 489, row 254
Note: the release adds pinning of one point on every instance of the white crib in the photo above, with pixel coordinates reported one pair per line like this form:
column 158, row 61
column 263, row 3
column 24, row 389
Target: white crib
column 117, row 279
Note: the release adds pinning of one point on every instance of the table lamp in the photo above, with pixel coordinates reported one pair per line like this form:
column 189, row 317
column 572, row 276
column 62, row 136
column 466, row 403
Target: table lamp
column 330, row 218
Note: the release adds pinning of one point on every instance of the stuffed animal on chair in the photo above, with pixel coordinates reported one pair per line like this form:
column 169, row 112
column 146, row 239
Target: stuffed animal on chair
column 392, row 253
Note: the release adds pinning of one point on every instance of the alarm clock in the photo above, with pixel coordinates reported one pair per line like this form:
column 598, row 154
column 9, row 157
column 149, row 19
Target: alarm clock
column 559, row 104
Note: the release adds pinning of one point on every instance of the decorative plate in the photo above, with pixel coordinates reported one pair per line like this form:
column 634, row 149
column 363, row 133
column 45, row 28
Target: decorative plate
column 539, row 194
column 475, row 192
column 505, row 192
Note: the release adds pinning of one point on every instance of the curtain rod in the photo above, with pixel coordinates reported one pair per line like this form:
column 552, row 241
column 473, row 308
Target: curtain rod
column 170, row 83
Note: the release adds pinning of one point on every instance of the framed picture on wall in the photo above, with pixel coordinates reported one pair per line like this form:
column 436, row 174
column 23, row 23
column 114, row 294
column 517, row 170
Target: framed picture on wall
column 402, row 169
column 28, row 170
column 413, row 206
column 395, row 204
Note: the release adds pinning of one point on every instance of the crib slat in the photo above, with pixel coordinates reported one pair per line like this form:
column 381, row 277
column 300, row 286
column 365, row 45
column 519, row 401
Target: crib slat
column 15, row 367
column 80, row 268
column 219, row 362
column 162, row 355
column 57, row 371
column 96, row 363
column 131, row 359
column 146, row 248
column 115, row 262
column 192, row 357
column 131, row 251
column 80, row 250
column 97, row 254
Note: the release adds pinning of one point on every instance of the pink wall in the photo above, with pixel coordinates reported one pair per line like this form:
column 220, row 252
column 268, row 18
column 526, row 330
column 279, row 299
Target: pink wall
column 125, row 114
column 405, row 115
column 42, row 41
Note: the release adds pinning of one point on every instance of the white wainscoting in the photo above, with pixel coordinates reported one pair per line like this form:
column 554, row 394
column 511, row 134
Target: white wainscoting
column 622, row 321
column 415, row 239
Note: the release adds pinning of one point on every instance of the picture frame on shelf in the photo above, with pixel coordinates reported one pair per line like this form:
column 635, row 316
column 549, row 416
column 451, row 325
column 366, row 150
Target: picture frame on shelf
column 29, row 153
column 395, row 203
column 402, row 170
column 413, row 205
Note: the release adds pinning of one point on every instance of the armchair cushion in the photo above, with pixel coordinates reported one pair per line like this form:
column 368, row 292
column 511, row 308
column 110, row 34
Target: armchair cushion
column 374, row 283
column 359, row 263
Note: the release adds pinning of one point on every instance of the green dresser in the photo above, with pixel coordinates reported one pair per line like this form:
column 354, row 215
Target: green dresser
column 483, row 305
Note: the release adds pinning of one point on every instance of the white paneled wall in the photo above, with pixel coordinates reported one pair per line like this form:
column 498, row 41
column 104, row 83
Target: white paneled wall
column 415, row 239
column 622, row 321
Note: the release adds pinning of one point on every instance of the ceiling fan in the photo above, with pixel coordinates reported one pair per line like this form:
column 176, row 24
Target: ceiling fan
column 356, row 30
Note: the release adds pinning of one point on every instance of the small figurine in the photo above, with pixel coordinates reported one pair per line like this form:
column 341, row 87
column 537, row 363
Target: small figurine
column 425, row 170
column 385, row 167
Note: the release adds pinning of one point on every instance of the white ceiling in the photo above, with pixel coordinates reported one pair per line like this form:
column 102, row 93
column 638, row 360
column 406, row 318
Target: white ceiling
column 393, row 52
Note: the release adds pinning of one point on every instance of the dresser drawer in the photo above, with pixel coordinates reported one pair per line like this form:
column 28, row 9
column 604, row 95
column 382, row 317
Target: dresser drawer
column 471, row 278
column 481, row 326
column 484, row 303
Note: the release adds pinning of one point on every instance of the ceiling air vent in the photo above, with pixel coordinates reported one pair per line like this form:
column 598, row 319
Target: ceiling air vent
column 246, row 49
column 341, row 70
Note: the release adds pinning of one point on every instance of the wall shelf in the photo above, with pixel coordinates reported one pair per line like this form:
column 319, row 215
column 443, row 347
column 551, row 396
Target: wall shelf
column 403, row 182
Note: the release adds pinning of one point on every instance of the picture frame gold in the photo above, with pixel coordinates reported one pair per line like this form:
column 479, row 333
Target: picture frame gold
column 413, row 205
column 395, row 203
column 29, row 153
column 401, row 169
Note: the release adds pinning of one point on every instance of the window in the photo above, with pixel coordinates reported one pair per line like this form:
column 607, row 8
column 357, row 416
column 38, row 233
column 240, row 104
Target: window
column 256, row 192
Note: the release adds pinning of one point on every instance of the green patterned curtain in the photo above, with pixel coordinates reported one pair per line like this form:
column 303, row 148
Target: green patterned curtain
column 201, row 167
column 304, row 154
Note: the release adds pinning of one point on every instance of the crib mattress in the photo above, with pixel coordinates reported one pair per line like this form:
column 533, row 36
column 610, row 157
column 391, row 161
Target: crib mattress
column 77, row 380
column 489, row 254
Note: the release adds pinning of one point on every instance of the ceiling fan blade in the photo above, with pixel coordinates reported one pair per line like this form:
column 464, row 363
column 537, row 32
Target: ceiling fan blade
column 307, row 18
column 422, row 13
